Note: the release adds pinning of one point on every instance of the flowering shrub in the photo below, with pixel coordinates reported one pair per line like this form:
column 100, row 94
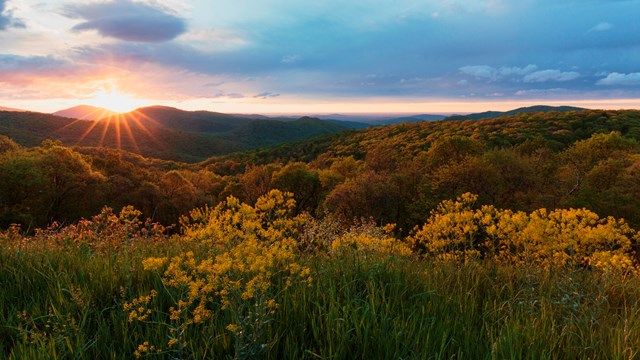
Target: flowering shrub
column 558, row 238
column 248, row 247
column 103, row 233
column 368, row 239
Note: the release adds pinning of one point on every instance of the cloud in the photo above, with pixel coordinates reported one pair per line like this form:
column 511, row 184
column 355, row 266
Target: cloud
column 550, row 75
column 494, row 74
column 290, row 59
column 16, row 67
column 266, row 95
column 6, row 18
column 223, row 95
column 127, row 20
column 539, row 92
column 214, row 84
column 603, row 26
column 620, row 79
column 481, row 71
column 517, row 71
column 176, row 55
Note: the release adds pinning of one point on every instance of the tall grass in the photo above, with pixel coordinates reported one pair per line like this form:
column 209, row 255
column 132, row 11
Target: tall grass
column 69, row 304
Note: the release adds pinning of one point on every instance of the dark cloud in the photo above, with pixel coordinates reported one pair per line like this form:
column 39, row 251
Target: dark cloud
column 127, row 20
column 6, row 18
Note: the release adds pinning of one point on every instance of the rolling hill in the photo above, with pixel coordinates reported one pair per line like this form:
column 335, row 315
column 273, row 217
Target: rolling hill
column 85, row 112
column 558, row 129
column 164, row 132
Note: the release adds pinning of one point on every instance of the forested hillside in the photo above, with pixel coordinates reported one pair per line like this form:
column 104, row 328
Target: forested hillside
column 164, row 132
column 393, row 174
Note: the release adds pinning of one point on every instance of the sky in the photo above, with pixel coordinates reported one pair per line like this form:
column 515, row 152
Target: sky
column 321, row 56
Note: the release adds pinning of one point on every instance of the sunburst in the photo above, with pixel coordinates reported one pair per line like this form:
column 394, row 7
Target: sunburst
column 121, row 123
column 115, row 101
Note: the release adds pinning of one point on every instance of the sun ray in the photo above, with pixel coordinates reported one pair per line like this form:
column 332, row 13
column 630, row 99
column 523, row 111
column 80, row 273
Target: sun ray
column 127, row 128
column 103, row 113
column 68, row 125
column 87, row 132
column 118, row 139
column 143, row 127
column 147, row 117
column 105, row 129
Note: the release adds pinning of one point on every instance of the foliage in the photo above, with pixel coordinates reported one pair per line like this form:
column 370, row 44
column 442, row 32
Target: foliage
column 563, row 238
column 393, row 174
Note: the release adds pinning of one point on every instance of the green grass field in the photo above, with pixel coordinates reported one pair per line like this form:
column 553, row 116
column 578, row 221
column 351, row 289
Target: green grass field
column 69, row 304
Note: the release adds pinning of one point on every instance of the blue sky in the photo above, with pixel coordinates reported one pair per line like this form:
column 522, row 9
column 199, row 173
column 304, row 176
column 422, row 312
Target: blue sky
column 320, row 56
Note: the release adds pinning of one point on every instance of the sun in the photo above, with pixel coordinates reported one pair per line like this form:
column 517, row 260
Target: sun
column 116, row 101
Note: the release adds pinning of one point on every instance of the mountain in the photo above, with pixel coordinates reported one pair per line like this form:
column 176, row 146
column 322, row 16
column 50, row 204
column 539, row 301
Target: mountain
column 522, row 110
column 556, row 129
column 409, row 119
column 165, row 132
column 3, row 108
column 85, row 112
column 377, row 120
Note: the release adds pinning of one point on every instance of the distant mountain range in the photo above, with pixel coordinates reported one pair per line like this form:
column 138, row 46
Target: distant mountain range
column 389, row 120
column 381, row 119
column 168, row 133
column 523, row 110
column 164, row 132
column 410, row 119
column 85, row 112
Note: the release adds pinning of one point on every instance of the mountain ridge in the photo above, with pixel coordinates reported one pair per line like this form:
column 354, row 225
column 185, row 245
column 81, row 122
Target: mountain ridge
column 522, row 110
column 85, row 112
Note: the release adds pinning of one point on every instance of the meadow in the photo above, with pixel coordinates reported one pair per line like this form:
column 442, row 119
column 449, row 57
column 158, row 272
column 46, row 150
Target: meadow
column 261, row 281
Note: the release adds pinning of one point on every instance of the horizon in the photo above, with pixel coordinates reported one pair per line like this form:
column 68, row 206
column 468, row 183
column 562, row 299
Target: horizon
column 500, row 107
column 277, row 58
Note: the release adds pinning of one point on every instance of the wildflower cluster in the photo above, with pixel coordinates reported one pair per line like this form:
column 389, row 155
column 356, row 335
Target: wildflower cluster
column 564, row 237
column 247, row 249
column 103, row 233
column 370, row 240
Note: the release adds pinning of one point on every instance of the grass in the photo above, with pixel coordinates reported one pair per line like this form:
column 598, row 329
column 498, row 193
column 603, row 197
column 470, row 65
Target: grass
column 68, row 304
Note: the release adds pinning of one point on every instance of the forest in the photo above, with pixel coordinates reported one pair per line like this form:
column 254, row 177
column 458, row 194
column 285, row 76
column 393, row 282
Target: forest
column 508, row 237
